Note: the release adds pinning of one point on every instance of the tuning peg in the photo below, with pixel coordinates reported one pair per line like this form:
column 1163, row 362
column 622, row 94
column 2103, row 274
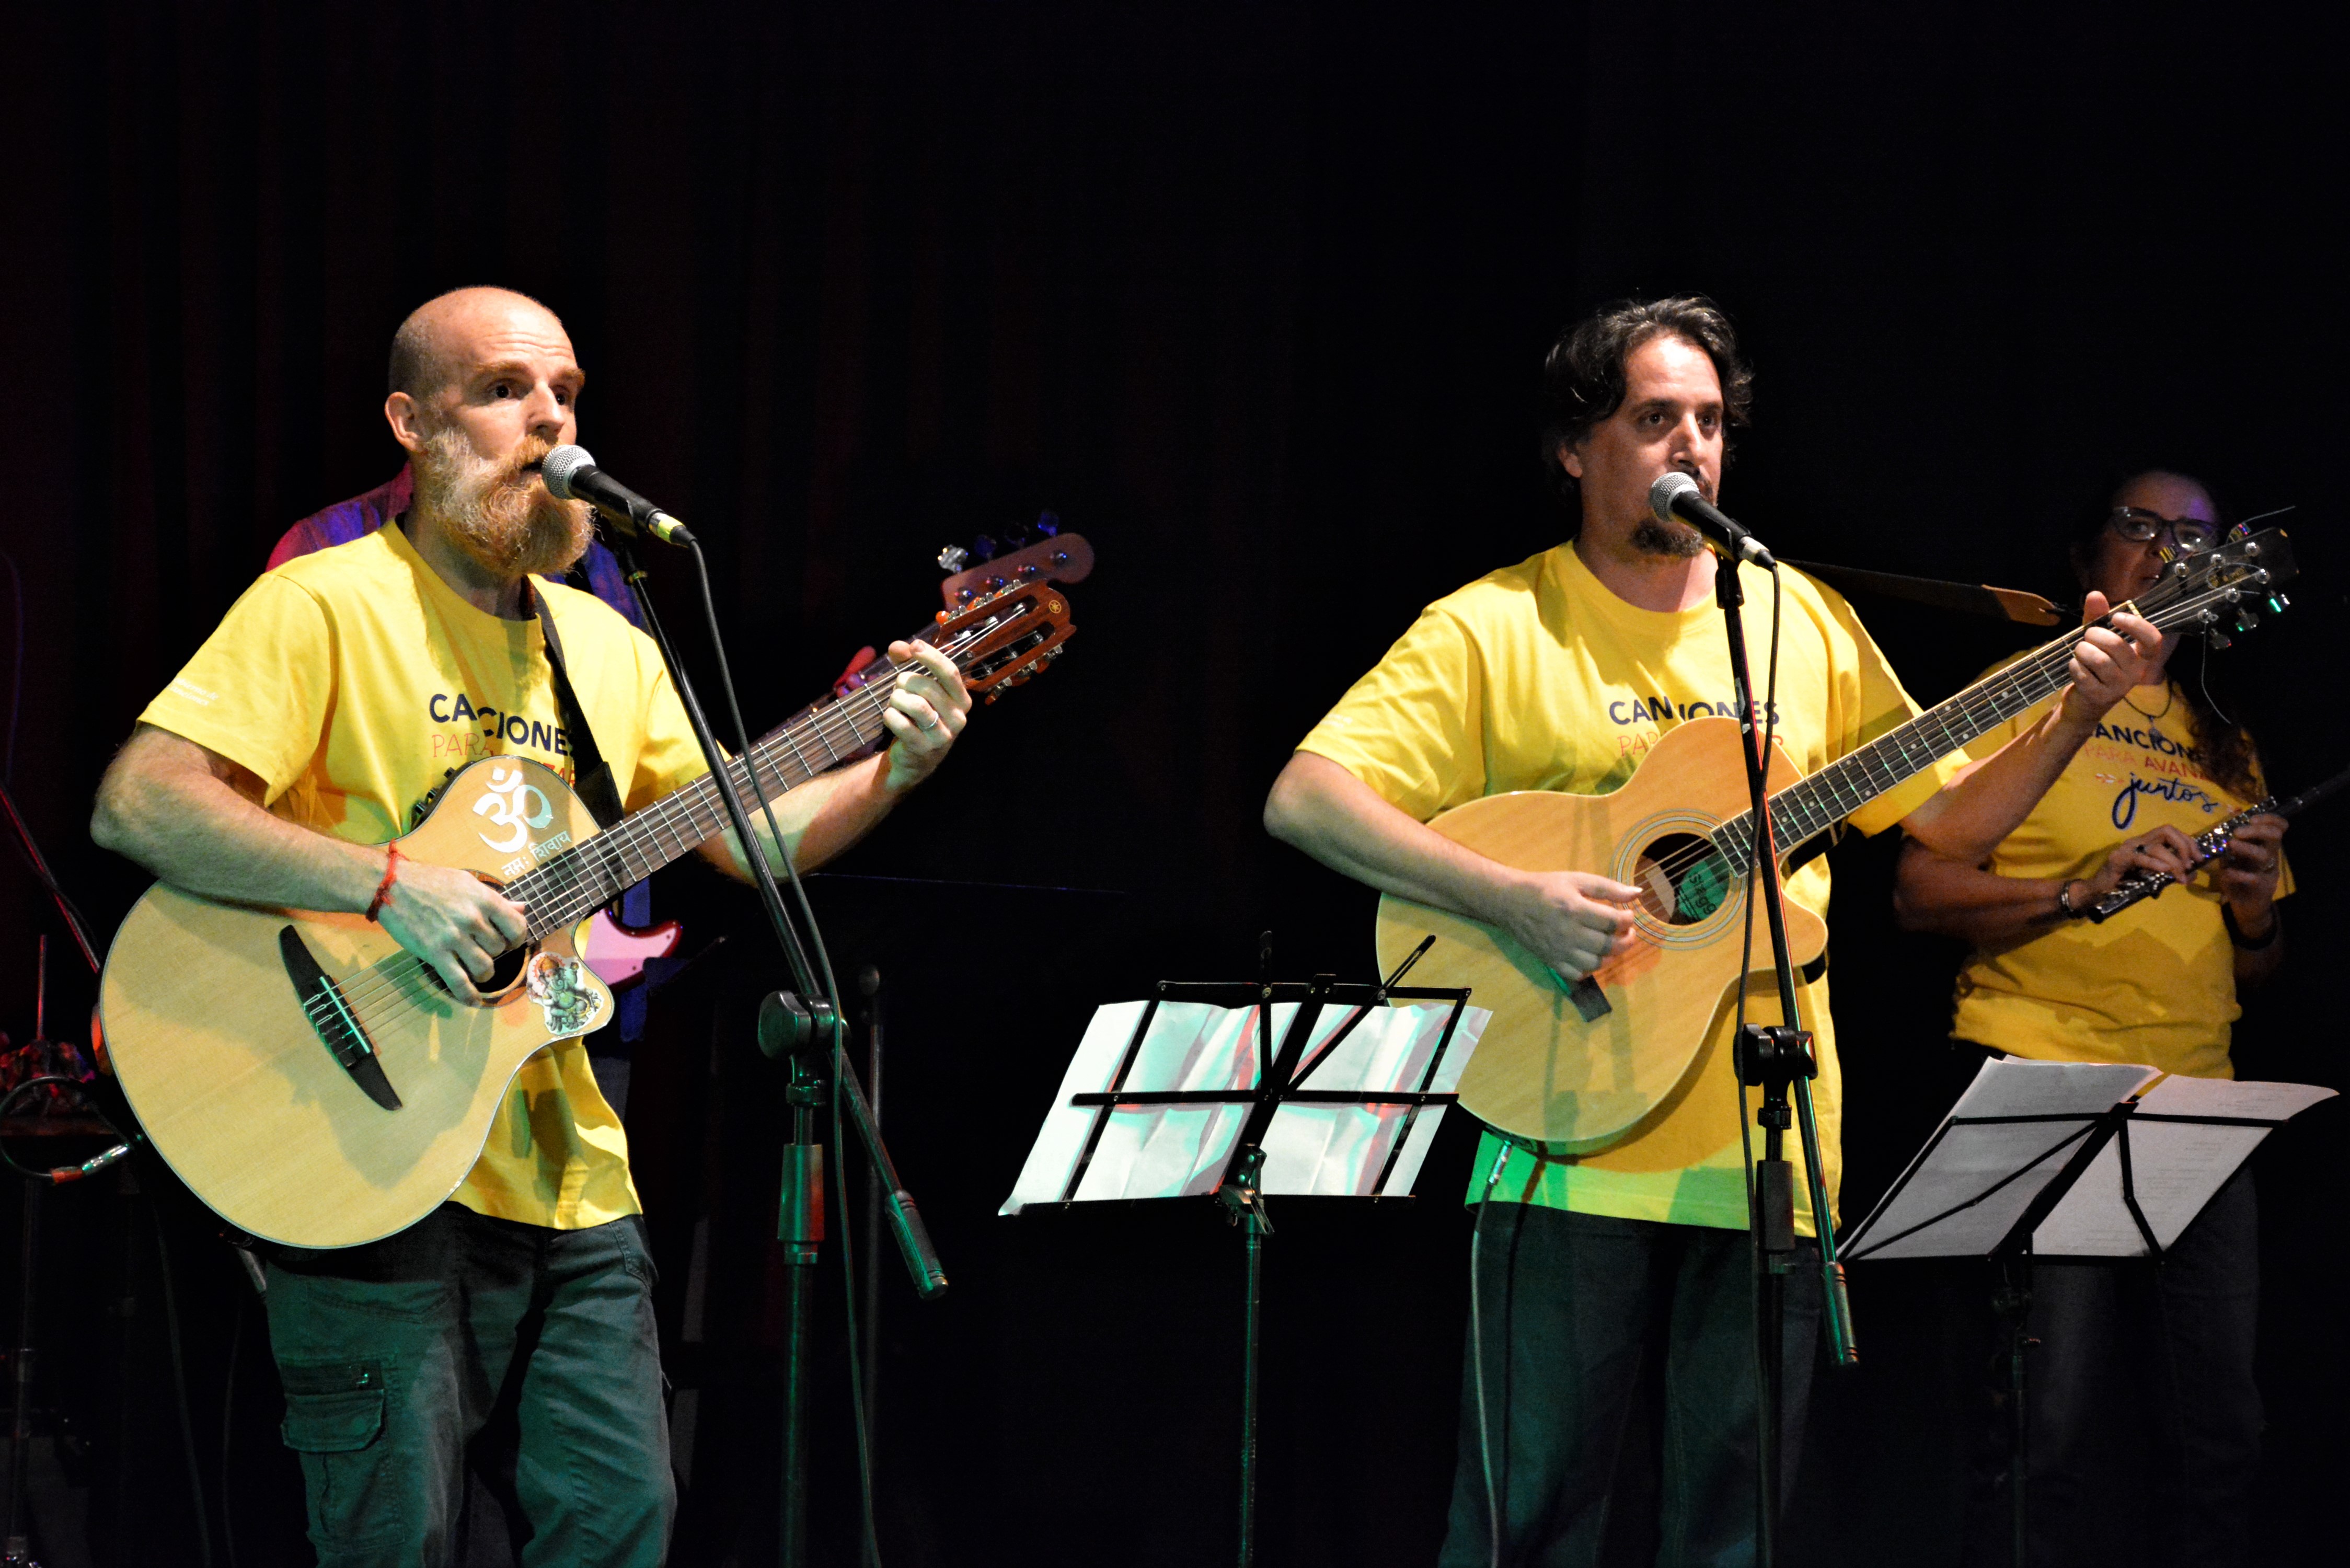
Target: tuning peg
column 2216, row 638
column 2246, row 619
column 983, row 548
column 1048, row 523
column 953, row 558
column 2279, row 604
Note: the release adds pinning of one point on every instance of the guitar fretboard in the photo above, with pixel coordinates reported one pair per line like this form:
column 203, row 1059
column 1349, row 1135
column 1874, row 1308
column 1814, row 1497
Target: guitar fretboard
column 1811, row 807
column 573, row 884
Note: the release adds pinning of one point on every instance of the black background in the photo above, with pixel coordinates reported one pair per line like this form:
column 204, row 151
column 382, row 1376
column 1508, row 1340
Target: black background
column 1254, row 297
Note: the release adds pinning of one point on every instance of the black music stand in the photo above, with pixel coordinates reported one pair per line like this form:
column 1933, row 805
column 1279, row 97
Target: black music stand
column 2037, row 1160
column 1236, row 1176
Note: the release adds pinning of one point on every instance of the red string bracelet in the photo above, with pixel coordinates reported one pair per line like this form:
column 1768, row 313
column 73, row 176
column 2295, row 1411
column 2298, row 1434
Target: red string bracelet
column 390, row 873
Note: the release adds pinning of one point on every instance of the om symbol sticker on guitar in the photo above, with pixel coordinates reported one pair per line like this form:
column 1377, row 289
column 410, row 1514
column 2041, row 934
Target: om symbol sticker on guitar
column 512, row 805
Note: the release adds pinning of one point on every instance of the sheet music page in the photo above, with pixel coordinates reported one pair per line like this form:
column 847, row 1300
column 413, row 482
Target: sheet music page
column 1147, row 1151
column 1955, row 1201
column 1175, row 1151
column 2175, row 1167
column 1339, row 1151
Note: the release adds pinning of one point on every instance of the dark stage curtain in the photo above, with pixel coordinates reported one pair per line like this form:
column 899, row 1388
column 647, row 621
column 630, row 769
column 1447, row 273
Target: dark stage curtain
column 1255, row 298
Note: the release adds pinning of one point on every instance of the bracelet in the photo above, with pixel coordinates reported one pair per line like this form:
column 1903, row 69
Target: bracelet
column 2065, row 900
column 391, row 872
column 2251, row 944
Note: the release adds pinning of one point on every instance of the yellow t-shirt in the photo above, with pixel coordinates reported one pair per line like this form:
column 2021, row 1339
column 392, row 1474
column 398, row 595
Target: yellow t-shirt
column 354, row 683
column 1539, row 677
column 2156, row 983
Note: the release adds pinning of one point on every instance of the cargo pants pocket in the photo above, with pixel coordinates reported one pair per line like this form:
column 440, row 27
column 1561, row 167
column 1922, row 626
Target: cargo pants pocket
column 335, row 1421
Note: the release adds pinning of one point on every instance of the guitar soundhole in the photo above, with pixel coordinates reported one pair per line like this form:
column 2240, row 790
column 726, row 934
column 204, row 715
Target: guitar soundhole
column 1682, row 879
column 503, row 976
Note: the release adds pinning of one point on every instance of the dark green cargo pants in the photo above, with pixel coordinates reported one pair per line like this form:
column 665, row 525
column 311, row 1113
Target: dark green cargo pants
column 530, row 1351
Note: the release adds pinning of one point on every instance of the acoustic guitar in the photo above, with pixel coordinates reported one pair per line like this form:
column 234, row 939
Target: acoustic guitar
column 317, row 1084
column 1577, row 1068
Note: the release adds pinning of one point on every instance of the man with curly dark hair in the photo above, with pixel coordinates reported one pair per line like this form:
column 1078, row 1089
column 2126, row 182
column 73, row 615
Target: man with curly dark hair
column 1561, row 674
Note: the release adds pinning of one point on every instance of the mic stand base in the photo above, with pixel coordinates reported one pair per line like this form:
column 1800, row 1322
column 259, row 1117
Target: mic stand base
column 800, row 1228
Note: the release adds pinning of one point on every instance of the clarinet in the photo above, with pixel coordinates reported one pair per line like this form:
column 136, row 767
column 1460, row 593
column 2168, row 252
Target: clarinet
column 2209, row 846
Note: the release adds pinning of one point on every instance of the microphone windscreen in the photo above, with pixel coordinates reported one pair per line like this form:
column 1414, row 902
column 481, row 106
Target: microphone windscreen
column 560, row 466
column 1669, row 487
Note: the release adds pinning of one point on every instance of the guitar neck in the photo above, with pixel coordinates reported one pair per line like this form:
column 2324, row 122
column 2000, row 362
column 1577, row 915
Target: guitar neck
column 573, row 885
column 1805, row 810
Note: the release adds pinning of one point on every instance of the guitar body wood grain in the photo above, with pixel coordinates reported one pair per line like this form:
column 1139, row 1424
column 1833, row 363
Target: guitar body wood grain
column 242, row 1097
column 1541, row 1072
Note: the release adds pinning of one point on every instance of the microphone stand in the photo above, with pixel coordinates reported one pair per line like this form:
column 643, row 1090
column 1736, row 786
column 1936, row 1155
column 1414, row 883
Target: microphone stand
column 806, row 1023
column 1778, row 1059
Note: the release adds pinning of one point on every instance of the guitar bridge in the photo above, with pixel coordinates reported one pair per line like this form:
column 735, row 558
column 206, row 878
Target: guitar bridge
column 1590, row 1000
column 330, row 1015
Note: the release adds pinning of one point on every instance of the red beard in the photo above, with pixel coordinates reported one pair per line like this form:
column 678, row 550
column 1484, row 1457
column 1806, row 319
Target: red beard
column 498, row 513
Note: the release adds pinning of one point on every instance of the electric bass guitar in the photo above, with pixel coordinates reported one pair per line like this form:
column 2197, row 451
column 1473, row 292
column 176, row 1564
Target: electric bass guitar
column 317, row 1084
column 1577, row 1067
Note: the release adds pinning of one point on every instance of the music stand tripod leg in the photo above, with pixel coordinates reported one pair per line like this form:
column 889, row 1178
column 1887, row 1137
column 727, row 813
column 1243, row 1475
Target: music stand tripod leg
column 2012, row 1301
column 1241, row 1196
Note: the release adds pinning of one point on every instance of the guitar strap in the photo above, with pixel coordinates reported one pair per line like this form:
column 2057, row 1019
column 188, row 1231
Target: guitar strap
column 591, row 774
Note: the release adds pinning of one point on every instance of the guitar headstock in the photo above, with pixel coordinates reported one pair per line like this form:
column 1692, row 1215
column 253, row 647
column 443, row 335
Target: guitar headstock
column 1053, row 557
column 2221, row 589
column 1006, row 636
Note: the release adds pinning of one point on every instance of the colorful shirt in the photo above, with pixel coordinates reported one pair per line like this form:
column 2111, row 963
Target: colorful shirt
column 2155, row 984
column 355, row 683
column 1539, row 677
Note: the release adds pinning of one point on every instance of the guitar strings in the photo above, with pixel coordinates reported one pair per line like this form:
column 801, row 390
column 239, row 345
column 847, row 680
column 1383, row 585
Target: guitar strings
column 569, row 895
column 837, row 717
column 572, row 893
column 388, row 976
column 2001, row 694
column 696, row 803
column 2003, row 689
column 659, row 821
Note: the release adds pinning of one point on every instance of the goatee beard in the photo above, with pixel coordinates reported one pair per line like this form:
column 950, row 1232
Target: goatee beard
column 1651, row 537
column 501, row 517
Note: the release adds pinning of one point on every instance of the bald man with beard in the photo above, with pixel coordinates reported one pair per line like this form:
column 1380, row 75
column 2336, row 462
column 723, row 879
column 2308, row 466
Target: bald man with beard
column 321, row 720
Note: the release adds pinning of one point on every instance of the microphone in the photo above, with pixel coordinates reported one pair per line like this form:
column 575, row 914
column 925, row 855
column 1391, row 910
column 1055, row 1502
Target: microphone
column 1675, row 497
column 571, row 474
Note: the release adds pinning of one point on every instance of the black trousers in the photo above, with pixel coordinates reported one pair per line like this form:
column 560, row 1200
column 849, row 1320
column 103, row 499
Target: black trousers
column 2139, row 1394
column 530, row 1351
column 2139, row 1397
column 1571, row 1309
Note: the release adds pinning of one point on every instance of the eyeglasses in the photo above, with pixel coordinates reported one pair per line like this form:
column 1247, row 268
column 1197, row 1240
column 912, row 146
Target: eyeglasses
column 2187, row 535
